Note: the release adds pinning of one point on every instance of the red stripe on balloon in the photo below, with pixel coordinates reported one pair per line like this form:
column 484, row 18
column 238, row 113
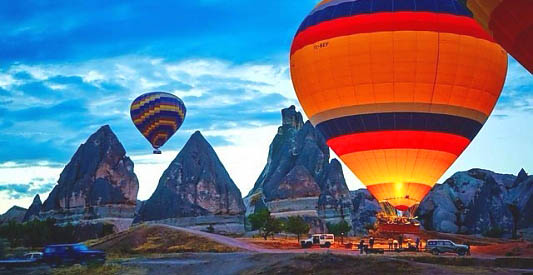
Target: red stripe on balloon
column 389, row 21
column 435, row 141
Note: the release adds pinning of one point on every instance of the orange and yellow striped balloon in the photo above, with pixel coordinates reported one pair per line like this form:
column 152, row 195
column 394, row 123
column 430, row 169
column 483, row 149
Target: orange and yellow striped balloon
column 511, row 24
column 399, row 88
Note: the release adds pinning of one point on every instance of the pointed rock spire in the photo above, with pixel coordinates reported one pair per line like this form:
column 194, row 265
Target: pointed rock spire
column 98, row 182
column 195, row 184
column 35, row 208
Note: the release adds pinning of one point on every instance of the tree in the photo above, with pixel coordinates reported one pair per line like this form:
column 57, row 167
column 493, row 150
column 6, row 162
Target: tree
column 266, row 224
column 339, row 229
column 297, row 225
column 3, row 246
column 515, row 212
column 272, row 226
column 257, row 219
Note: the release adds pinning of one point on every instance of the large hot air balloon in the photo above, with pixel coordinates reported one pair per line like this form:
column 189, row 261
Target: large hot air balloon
column 399, row 88
column 158, row 116
column 511, row 24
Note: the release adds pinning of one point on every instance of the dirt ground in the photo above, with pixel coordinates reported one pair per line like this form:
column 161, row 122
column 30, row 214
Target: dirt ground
column 319, row 262
column 160, row 249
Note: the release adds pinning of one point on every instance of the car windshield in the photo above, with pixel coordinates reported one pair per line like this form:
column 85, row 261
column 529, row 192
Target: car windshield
column 81, row 247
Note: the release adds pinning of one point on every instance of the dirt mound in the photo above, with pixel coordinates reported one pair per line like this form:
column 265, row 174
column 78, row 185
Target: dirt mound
column 151, row 239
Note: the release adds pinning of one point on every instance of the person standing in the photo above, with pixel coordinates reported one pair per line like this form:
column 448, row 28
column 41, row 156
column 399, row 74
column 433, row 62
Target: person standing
column 361, row 246
column 371, row 242
column 395, row 242
column 390, row 244
column 400, row 241
column 417, row 243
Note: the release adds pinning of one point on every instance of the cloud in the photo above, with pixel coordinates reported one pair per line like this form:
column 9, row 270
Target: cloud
column 17, row 191
column 56, row 107
column 517, row 94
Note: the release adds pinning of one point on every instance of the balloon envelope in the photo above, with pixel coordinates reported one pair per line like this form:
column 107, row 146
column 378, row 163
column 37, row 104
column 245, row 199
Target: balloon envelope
column 398, row 88
column 157, row 115
column 511, row 24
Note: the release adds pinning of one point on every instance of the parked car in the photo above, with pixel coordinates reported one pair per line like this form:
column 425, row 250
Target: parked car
column 59, row 254
column 27, row 260
column 324, row 240
column 437, row 247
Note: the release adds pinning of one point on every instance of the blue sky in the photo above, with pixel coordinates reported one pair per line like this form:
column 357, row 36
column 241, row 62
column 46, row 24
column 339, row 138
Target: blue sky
column 68, row 67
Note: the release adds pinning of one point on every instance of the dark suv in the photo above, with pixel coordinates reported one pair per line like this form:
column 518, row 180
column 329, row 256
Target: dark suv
column 442, row 246
column 58, row 254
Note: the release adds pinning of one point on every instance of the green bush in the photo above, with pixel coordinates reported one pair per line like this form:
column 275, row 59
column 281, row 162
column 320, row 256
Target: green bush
column 3, row 247
column 37, row 233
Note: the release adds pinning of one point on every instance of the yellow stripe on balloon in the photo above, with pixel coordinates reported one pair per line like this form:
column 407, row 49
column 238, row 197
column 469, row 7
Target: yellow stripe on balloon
column 157, row 109
column 158, row 136
column 399, row 165
column 144, row 101
column 149, row 99
column 159, row 123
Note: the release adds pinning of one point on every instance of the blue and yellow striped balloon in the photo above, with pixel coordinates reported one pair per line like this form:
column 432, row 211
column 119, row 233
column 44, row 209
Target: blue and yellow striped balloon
column 158, row 115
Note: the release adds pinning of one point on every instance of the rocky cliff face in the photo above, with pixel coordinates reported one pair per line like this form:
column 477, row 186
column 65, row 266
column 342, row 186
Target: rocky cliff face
column 35, row 208
column 97, row 185
column 365, row 208
column 196, row 191
column 476, row 201
column 299, row 179
column 14, row 213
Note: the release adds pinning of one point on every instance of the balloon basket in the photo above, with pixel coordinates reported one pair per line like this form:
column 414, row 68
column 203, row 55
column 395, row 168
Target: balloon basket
column 157, row 152
column 391, row 224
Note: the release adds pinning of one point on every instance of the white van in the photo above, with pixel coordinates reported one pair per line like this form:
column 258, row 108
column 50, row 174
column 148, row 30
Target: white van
column 324, row 240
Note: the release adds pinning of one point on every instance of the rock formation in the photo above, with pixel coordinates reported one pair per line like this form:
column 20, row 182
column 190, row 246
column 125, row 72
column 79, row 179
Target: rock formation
column 299, row 179
column 97, row 185
column 35, row 208
column 477, row 201
column 365, row 208
column 14, row 213
column 196, row 191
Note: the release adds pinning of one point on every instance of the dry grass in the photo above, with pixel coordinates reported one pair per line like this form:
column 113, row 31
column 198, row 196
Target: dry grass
column 154, row 239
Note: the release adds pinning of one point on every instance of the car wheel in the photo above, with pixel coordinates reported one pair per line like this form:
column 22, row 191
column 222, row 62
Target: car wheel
column 461, row 252
column 435, row 252
column 327, row 245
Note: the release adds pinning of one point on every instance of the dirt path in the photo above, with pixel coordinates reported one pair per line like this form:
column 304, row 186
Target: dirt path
column 221, row 239
column 255, row 248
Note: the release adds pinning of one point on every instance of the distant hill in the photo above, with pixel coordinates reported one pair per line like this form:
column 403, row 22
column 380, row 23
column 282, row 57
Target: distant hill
column 14, row 213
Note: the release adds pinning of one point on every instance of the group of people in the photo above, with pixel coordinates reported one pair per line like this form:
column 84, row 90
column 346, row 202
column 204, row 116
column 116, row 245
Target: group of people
column 398, row 243
column 394, row 244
